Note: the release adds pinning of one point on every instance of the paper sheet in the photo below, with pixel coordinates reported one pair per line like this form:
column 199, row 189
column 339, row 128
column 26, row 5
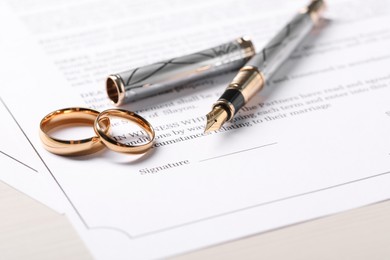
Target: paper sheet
column 313, row 143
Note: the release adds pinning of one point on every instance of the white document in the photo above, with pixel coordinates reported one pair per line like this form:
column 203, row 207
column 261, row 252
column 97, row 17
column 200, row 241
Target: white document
column 313, row 143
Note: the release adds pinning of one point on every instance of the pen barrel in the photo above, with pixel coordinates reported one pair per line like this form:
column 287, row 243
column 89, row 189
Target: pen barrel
column 280, row 48
column 261, row 67
column 149, row 80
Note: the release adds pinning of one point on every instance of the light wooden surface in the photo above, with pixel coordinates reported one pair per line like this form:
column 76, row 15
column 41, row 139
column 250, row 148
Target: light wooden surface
column 30, row 230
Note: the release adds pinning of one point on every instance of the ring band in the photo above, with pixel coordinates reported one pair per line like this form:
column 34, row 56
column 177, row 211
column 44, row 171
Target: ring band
column 117, row 146
column 70, row 116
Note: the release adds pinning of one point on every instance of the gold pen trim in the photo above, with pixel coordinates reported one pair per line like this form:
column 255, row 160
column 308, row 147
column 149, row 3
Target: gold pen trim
column 247, row 45
column 249, row 80
column 115, row 89
column 315, row 10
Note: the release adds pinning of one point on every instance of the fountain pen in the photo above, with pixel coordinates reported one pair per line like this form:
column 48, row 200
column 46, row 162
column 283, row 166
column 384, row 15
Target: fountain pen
column 252, row 77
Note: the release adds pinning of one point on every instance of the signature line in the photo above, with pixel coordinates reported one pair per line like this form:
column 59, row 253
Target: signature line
column 253, row 148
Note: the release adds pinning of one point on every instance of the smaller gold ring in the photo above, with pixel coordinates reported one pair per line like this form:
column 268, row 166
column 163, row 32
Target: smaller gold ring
column 117, row 146
column 70, row 116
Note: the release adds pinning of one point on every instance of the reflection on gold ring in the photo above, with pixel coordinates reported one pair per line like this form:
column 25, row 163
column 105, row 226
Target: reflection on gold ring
column 100, row 127
column 68, row 117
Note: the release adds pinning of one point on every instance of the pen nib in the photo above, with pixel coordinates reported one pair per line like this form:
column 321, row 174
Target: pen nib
column 215, row 119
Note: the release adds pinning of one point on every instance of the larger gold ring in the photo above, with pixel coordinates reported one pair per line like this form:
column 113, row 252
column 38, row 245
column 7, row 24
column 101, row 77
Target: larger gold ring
column 70, row 116
column 117, row 146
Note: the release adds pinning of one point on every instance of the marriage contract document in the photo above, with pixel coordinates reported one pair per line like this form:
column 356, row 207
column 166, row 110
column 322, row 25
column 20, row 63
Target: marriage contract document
column 313, row 143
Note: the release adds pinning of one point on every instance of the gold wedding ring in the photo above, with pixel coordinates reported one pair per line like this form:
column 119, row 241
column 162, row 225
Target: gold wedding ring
column 68, row 117
column 100, row 127
column 101, row 124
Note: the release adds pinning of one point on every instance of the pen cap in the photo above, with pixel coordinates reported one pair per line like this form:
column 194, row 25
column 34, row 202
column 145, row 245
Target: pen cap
column 149, row 80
